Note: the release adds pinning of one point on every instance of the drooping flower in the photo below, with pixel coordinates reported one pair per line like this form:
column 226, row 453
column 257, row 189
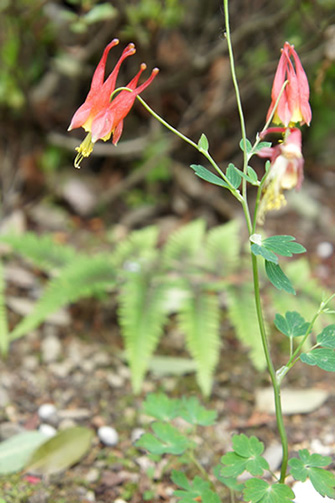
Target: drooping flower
column 293, row 105
column 100, row 116
column 285, row 172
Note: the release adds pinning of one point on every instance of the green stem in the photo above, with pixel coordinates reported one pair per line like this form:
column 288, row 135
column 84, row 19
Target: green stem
column 238, row 98
column 272, row 372
column 204, row 152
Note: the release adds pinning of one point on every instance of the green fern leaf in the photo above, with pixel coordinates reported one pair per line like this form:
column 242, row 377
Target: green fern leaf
column 138, row 246
column 43, row 251
column 4, row 340
column 199, row 319
column 142, row 315
column 242, row 314
column 184, row 245
column 223, row 248
column 84, row 277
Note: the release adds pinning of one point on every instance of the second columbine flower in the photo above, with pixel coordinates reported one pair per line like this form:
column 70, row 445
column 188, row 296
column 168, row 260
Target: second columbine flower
column 293, row 106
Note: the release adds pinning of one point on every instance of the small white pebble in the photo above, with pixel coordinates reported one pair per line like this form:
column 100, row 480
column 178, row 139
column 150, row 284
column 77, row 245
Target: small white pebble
column 108, row 435
column 136, row 434
column 47, row 411
column 90, row 496
column 324, row 250
column 47, row 430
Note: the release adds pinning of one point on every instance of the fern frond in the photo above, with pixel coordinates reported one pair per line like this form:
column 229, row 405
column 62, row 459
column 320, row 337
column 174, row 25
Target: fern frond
column 43, row 251
column 184, row 245
column 4, row 339
column 223, row 248
column 142, row 315
column 242, row 315
column 84, row 277
column 199, row 319
column 139, row 244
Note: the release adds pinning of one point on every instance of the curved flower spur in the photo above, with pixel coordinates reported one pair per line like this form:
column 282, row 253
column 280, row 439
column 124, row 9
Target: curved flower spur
column 100, row 116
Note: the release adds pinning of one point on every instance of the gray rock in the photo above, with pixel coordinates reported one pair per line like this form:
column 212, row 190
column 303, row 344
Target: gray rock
column 8, row 430
column 4, row 397
column 51, row 348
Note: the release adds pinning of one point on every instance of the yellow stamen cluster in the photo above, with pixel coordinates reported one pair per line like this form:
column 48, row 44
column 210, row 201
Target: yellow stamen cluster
column 84, row 150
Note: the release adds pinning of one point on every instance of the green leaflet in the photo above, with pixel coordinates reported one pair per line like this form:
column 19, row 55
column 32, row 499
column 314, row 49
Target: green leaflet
column 246, row 456
column 165, row 439
column 208, row 176
column 203, row 143
column 278, row 278
column 323, row 358
column 259, row 491
column 310, row 465
column 292, row 325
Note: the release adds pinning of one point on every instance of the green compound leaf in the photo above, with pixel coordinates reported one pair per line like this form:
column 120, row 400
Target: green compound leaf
column 246, row 456
column 248, row 145
column 321, row 357
column 160, row 406
column 203, row 142
column 278, row 278
column 230, row 482
column 167, row 440
column 197, row 490
column 327, row 337
column 194, row 413
column 283, row 245
column 208, row 176
column 259, row 491
column 292, row 325
column 233, row 175
column 264, row 252
column 310, row 465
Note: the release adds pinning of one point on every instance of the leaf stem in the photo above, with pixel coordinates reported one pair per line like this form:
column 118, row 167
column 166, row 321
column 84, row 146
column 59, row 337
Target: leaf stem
column 204, row 152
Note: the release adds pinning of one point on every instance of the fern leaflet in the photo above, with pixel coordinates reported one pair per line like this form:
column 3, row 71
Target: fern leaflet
column 43, row 251
column 184, row 245
column 142, row 315
column 242, row 314
column 223, row 248
column 84, row 277
column 199, row 319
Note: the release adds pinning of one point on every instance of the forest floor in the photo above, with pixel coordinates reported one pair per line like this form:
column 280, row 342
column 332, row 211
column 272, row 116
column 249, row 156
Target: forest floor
column 76, row 363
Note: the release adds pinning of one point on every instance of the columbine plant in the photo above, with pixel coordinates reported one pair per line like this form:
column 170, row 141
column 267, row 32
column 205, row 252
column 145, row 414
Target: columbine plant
column 101, row 116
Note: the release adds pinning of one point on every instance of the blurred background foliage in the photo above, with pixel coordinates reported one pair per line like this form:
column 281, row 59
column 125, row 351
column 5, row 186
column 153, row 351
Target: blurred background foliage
column 48, row 52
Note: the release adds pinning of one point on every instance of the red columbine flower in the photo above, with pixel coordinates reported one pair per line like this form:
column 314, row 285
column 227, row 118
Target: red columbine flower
column 100, row 116
column 286, row 170
column 293, row 105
